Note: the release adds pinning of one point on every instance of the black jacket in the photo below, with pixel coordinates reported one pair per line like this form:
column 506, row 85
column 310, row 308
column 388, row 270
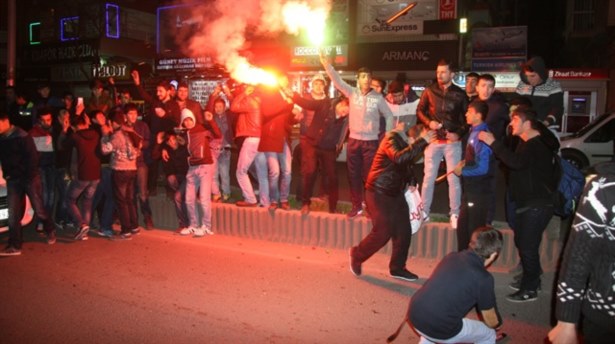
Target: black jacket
column 446, row 106
column 18, row 155
column 392, row 166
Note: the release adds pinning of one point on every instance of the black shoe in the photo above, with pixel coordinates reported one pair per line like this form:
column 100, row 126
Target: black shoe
column 516, row 285
column 355, row 267
column 404, row 275
column 523, row 296
column 10, row 251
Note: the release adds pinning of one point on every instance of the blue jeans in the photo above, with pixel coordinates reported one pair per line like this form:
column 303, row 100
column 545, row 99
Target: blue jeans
column 199, row 178
column 17, row 189
column 279, row 165
column 124, row 192
column 143, row 191
column 249, row 154
column 472, row 331
column 451, row 152
column 359, row 157
column 61, row 183
column 177, row 184
column 222, row 167
column 104, row 201
column 87, row 188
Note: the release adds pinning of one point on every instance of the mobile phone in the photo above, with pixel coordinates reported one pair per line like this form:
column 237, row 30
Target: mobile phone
column 79, row 100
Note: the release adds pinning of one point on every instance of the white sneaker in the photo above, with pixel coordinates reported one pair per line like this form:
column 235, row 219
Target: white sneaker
column 454, row 219
column 199, row 232
column 207, row 230
column 187, row 231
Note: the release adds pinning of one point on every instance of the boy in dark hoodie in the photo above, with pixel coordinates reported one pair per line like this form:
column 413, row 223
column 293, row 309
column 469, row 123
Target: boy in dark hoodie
column 86, row 141
column 19, row 160
column 174, row 155
column 200, row 172
column 545, row 93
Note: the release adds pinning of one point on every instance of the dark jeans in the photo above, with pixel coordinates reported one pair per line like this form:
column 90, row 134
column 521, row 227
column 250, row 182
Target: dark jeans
column 472, row 215
column 86, row 190
column 124, row 192
column 530, row 224
column 61, row 183
column 48, row 180
column 177, row 185
column 142, row 191
column 359, row 157
column 152, row 177
column 311, row 158
column 390, row 221
column 17, row 189
column 104, row 202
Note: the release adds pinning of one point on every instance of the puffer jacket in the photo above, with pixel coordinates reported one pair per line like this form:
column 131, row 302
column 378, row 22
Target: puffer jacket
column 249, row 121
column 391, row 169
column 446, row 106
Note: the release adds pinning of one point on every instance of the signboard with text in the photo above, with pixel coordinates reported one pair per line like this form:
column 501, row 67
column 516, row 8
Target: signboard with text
column 401, row 56
column 373, row 14
column 448, row 9
column 308, row 56
column 499, row 48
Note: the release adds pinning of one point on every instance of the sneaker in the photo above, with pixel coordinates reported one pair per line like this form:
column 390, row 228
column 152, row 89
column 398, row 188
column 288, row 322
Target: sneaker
column 187, row 231
column 454, row 220
column 305, row 209
column 273, row 206
column 51, row 237
column 107, row 233
column 226, row 197
column 10, row 251
column 285, row 205
column 246, row 204
column 523, row 296
column 516, row 285
column 124, row 236
column 404, row 275
column 354, row 213
column 135, row 231
column 207, row 230
column 40, row 229
column 216, row 198
column 83, row 230
column 199, row 232
column 85, row 237
column 355, row 267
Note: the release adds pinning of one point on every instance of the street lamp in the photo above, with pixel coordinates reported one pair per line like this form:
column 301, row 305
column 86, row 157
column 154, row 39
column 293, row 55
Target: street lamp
column 463, row 28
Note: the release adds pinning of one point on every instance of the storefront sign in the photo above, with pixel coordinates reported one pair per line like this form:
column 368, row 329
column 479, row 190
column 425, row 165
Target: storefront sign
column 71, row 72
column 405, row 55
column 497, row 64
column 309, row 57
column 448, row 9
column 592, row 74
column 496, row 42
column 118, row 71
column 183, row 64
column 60, row 53
column 373, row 14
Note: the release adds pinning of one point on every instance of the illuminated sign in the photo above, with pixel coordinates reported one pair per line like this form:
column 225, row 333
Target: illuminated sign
column 69, row 29
column 35, row 33
column 308, row 56
column 112, row 20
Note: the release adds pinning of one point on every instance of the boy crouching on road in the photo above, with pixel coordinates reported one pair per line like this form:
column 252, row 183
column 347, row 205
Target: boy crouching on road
column 437, row 311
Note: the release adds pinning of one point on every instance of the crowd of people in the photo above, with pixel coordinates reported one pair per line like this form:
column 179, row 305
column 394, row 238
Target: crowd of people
column 102, row 157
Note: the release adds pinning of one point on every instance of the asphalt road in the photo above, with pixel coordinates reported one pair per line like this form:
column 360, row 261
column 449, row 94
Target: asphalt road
column 163, row 288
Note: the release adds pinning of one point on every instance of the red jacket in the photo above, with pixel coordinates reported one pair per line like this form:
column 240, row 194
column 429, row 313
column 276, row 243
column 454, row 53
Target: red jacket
column 249, row 120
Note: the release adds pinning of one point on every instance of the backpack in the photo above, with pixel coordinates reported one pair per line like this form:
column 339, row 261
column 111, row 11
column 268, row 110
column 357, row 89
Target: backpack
column 570, row 185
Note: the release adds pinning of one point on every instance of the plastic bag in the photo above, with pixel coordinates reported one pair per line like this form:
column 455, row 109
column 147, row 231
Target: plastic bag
column 415, row 205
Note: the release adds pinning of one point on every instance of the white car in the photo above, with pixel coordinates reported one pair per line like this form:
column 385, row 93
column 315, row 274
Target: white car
column 592, row 144
column 4, row 208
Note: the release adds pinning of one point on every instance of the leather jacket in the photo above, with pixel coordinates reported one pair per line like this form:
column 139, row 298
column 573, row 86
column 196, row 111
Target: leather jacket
column 249, row 121
column 392, row 166
column 446, row 106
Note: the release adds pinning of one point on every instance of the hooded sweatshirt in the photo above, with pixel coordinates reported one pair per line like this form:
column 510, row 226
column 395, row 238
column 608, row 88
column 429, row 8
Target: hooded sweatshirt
column 547, row 98
column 87, row 143
column 122, row 148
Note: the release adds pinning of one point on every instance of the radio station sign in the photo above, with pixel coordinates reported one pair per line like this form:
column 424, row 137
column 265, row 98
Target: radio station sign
column 183, row 64
column 79, row 51
column 304, row 56
column 400, row 56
